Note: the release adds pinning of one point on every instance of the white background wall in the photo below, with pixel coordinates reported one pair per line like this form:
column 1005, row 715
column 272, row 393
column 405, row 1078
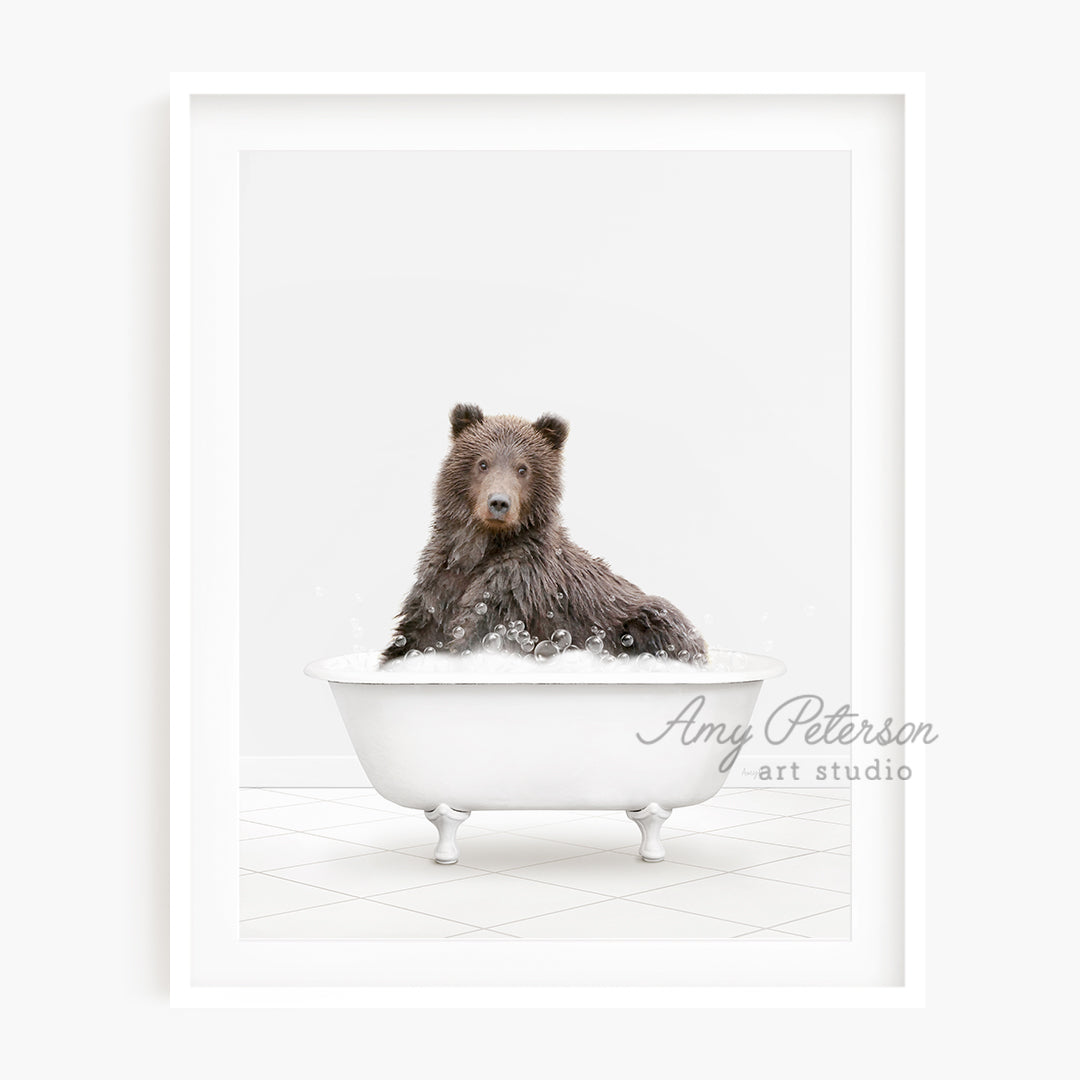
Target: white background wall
column 84, row 418
column 687, row 312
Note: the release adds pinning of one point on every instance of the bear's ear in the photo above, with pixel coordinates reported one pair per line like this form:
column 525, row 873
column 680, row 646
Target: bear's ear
column 553, row 428
column 461, row 416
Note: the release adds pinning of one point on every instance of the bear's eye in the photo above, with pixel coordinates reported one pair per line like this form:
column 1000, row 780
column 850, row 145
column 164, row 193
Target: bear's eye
column 483, row 466
column 522, row 470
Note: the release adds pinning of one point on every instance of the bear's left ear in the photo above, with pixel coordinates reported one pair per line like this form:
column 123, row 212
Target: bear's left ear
column 553, row 428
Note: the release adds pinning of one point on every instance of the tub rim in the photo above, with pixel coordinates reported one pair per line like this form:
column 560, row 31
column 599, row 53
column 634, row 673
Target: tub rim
column 759, row 667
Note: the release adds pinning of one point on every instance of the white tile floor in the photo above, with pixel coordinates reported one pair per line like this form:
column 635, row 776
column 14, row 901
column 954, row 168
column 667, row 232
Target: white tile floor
column 345, row 863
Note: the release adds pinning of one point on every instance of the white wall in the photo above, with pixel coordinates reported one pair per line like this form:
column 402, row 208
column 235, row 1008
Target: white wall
column 84, row 420
column 687, row 312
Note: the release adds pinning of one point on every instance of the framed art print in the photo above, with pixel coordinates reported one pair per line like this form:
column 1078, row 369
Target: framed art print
column 547, row 540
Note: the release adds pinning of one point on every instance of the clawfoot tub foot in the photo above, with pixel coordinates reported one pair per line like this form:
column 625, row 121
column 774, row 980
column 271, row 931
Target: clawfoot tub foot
column 446, row 820
column 649, row 821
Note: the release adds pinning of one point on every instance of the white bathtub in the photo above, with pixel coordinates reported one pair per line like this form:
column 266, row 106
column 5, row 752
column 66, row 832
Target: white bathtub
column 451, row 744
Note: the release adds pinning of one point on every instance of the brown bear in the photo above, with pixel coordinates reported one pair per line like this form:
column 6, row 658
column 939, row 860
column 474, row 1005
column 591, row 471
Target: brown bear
column 499, row 557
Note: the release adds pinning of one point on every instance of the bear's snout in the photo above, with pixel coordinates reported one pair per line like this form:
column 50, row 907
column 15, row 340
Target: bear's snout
column 498, row 506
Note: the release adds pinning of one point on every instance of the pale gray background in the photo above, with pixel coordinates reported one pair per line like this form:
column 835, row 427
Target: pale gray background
column 687, row 312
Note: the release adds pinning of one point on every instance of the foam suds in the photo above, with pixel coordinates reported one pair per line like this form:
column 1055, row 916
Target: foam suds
column 577, row 662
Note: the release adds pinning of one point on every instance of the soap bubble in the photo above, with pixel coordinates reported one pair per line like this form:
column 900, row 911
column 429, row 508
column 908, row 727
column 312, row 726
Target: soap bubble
column 558, row 551
column 560, row 596
column 400, row 641
column 515, row 625
column 481, row 608
column 684, row 655
column 627, row 641
column 500, row 629
column 624, row 658
column 561, row 639
column 438, row 644
column 607, row 658
column 459, row 632
column 431, row 610
column 429, row 650
column 412, row 654
column 551, row 614
column 492, row 642
column 595, row 645
column 661, row 655
column 487, row 596
column 545, row 650
column 466, row 652
column 526, row 644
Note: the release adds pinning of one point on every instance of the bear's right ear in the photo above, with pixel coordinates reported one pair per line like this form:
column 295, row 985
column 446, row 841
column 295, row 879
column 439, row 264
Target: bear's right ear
column 553, row 428
column 461, row 416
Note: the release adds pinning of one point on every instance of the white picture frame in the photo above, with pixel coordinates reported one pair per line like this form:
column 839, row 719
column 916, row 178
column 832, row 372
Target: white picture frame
column 883, row 963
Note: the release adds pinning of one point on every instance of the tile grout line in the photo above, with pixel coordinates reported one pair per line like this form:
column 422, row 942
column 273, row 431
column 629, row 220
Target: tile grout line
column 787, row 933
column 696, row 914
column 514, row 871
column 555, row 911
column 386, row 816
column 800, row 854
column 353, row 899
column 771, row 843
column 607, row 896
column 741, row 873
column 682, row 911
column 350, row 896
column 780, row 925
column 720, row 918
column 293, row 881
column 400, row 907
column 291, row 911
column 409, row 888
column 782, row 881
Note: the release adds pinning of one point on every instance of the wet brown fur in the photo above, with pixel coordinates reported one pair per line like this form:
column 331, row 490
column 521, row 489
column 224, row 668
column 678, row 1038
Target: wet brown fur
column 525, row 560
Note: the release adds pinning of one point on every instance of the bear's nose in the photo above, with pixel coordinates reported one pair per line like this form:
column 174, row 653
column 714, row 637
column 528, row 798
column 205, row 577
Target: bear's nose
column 498, row 505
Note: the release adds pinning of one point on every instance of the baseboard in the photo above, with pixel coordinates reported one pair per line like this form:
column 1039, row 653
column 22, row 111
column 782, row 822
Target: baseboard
column 345, row 771
column 301, row 771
